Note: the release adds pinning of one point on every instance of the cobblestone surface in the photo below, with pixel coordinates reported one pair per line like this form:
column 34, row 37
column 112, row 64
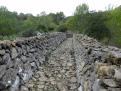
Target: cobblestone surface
column 79, row 64
column 59, row 74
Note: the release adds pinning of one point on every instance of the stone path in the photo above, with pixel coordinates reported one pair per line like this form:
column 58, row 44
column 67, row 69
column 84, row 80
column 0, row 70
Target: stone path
column 59, row 74
column 79, row 64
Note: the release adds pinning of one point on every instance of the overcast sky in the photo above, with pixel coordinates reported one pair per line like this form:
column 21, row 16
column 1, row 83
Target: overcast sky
column 67, row 6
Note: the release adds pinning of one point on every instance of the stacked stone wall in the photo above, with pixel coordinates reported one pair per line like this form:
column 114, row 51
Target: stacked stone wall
column 98, row 66
column 20, row 59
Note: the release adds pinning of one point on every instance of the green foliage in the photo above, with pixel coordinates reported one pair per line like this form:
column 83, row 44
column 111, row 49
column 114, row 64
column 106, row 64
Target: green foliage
column 7, row 22
column 71, row 23
column 90, row 23
column 29, row 33
column 78, row 22
column 57, row 18
column 10, row 37
column 104, row 26
column 61, row 28
column 96, row 27
column 30, row 23
column 81, row 9
column 26, row 25
column 49, row 22
column 114, row 24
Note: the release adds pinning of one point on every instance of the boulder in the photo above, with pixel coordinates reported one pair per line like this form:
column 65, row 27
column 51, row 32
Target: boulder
column 117, row 74
column 2, row 52
column 97, row 86
column 14, row 53
column 104, row 70
column 9, row 77
column 110, row 82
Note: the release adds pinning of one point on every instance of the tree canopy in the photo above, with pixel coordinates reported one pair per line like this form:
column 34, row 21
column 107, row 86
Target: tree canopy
column 81, row 9
column 102, row 25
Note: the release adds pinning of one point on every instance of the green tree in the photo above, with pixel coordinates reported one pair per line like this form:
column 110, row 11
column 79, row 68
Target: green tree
column 114, row 24
column 7, row 22
column 57, row 18
column 96, row 26
column 81, row 9
column 79, row 20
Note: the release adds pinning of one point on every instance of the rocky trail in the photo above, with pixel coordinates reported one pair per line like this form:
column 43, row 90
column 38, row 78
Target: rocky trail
column 58, row 62
column 78, row 64
column 59, row 74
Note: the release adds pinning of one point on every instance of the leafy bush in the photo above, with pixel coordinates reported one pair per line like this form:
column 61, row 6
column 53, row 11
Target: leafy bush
column 7, row 22
column 96, row 27
column 29, row 33
column 61, row 28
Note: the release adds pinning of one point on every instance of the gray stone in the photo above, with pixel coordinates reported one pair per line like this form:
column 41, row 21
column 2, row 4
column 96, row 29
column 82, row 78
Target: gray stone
column 1, row 60
column 114, row 89
column 110, row 82
column 19, row 50
column 18, row 65
column 27, row 73
column 30, row 59
column 27, row 48
column 73, row 86
column 37, row 62
column 6, row 58
column 23, row 88
column 33, row 66
column 41, row 86
column 61, row 86
column 2, row 70
column 24, row 52
column 2, row 52
column 41, row 59
column 117, row 74
column 80, row 88
column 14, row 53
column 32, row 50
column 73, row 79
column 9, row 77
column 24, row 59
column 15, row 85
column 10, row 64
column 97, row 86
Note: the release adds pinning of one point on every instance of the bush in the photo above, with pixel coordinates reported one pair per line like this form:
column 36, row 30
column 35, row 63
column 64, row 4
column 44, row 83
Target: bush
column 96, row 27
column 29, row 33
column 61, row 28
column 98, row 31
column 10, row 37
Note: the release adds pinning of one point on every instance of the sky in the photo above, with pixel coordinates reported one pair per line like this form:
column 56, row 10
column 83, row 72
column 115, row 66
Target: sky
column 67, row 6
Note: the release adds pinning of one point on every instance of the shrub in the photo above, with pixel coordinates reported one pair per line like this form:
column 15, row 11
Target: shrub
column 29, row 33
column 96, row 27
column 61, row 28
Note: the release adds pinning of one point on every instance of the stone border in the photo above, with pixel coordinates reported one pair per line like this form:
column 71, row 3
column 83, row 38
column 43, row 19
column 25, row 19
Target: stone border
column 20, row 59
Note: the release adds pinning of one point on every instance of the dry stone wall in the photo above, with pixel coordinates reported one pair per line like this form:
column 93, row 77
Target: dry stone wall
column 98, row 66
column 20, row 59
